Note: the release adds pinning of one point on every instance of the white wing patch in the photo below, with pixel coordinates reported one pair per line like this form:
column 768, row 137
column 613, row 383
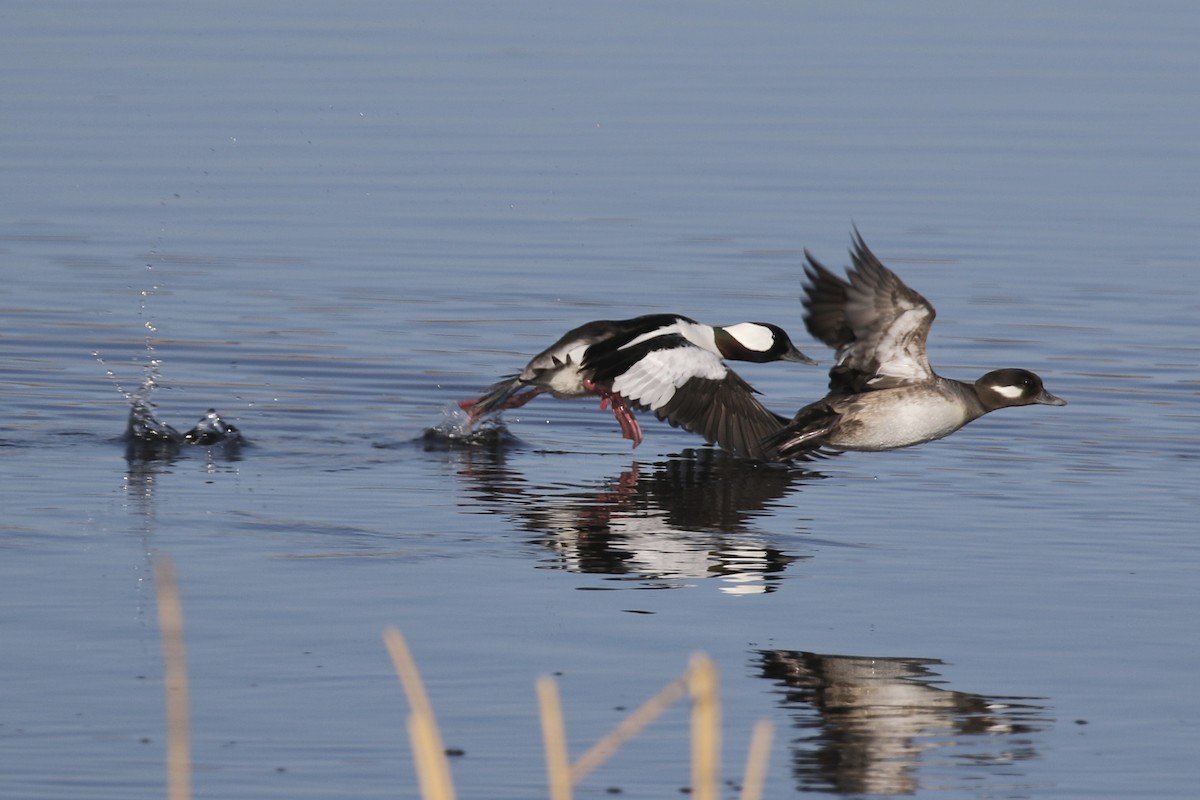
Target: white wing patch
column 654, row 379
column 700, row 335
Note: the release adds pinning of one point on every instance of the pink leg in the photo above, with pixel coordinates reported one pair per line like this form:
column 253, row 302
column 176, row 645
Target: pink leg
column 629, row 424
column 620, row 409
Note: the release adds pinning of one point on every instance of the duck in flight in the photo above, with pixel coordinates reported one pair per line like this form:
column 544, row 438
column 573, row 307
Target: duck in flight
column 664, row 363
column 883, row 394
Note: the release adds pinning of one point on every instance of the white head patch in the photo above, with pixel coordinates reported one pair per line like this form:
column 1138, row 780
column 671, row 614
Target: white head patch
column 753, row 336
column 1009, row 392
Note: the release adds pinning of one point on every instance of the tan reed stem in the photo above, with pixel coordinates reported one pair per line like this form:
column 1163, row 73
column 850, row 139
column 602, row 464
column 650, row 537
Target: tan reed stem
column 554, row 737
column 429, row 754
column 706, row 727
column 756, row 760
column 175, row 680
column 628, row 728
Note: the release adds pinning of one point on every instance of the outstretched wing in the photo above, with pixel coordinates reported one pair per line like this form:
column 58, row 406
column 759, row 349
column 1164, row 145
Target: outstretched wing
column 875, row 322
column 691, row 388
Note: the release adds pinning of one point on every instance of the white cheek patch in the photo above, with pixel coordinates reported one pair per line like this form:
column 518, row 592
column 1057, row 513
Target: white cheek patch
column 1009, row 392
column 753, row 337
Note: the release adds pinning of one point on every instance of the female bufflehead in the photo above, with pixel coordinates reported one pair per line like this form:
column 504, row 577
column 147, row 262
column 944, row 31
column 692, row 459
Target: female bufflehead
column 882, row 392
column 664, row 363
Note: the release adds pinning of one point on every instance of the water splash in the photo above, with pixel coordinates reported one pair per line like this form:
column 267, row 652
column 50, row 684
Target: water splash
column 142, row 425
column 211, row 429
column 146, row 436
column 454, row 432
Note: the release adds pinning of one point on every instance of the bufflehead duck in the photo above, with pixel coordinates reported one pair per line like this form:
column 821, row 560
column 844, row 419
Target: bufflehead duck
column 665, row 363
column 882, row 392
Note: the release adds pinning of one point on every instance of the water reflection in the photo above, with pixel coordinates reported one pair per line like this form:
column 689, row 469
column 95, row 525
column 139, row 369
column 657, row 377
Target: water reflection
column 690, row 516
column 152, row 447
column 873, row 725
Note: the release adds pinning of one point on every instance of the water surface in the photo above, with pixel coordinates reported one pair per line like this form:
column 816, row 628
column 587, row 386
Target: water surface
column 330, row 223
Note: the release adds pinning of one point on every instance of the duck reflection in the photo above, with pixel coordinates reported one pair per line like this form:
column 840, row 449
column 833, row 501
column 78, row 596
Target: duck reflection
column 690, row 516
column 870, row 725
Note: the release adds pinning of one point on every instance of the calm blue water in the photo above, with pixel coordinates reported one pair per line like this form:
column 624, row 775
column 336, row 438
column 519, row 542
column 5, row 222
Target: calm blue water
column 332, row 221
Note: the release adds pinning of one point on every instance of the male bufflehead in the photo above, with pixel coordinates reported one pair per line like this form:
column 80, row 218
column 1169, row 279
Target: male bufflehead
column 664, row 363
column 882, row 392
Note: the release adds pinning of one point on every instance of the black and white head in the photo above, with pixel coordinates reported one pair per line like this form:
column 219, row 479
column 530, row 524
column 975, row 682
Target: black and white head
column 759, row 342
column 1014, row 387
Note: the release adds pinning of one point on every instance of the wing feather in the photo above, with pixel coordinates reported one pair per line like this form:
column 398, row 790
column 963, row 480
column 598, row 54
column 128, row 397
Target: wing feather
column 875, row 322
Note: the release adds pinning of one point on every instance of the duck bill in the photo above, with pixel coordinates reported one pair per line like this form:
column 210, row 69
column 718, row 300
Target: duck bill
column 1047, row 399
column 797, row 357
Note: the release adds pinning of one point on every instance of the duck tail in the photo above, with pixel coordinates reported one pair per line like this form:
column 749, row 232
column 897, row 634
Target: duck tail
column 804, row 436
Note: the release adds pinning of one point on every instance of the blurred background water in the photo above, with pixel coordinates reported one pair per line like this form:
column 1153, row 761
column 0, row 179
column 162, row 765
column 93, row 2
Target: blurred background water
column 331, row 221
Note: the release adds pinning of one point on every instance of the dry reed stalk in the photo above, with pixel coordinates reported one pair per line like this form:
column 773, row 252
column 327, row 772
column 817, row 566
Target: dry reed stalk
column 756, row 760
column 429, row 754
column 554, row 737
column 628, row 728
column 706, row 727
column 175, row 680
column 700, row 680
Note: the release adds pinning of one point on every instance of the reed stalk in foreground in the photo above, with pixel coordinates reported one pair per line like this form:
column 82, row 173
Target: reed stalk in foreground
column 700, row 681
column 175, row 680
column 756, row 760
column 554, row 738
column 706, row 727
column 429, row 753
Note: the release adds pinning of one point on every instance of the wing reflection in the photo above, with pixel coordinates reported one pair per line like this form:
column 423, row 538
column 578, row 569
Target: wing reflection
column 871, row 725
column 690, row 516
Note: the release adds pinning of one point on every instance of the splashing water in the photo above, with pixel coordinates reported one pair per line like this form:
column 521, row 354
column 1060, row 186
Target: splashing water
column 454, row 432
column 145, row 435
column 211, row 429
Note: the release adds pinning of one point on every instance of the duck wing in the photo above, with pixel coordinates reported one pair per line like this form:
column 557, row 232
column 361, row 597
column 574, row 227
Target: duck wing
column 875, row 322
column 689, row 387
